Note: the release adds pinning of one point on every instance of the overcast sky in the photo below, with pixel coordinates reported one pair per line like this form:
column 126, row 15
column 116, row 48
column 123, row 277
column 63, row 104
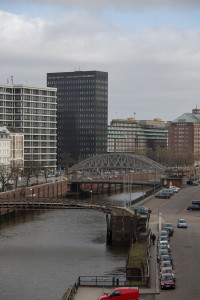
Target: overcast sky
column 150, row 50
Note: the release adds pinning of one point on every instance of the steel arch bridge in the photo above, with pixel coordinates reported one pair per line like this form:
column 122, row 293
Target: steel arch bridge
column 118, row 162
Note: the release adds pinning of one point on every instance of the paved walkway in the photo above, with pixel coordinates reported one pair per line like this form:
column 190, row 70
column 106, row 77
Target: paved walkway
column 93, row 293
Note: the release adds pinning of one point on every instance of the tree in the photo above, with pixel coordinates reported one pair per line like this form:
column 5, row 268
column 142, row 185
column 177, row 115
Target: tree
column 5, row 176
column 28, row 170
column 16, row 172
column 37, row 168
column 67, row 161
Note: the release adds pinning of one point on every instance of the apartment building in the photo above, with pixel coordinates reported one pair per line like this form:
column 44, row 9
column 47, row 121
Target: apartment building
column 82, row 112
column 33, row 111
column 131, row 135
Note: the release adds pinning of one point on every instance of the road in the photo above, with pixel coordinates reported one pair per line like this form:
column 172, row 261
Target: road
column 185, row 243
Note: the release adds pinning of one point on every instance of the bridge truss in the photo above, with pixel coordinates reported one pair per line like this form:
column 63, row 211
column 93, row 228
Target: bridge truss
column 118, row 162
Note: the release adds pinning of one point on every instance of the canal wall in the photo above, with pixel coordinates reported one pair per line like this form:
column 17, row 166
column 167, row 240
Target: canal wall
column 46, row 190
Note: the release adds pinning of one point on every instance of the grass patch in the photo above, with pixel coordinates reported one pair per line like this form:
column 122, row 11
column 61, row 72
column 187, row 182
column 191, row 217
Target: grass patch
column 138, row 255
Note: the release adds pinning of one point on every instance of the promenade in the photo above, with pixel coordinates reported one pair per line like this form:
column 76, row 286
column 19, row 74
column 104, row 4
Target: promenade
column 93, row 293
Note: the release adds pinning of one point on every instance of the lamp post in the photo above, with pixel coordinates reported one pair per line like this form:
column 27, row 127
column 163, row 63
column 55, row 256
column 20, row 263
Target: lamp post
column 160, row 222
column 91, row 195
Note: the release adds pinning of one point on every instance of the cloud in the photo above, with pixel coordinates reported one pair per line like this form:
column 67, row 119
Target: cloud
column 150, row 70
column 115, row 4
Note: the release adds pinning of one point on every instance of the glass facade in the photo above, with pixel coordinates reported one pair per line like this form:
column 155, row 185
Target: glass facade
column 82, row 111
column 33, row 111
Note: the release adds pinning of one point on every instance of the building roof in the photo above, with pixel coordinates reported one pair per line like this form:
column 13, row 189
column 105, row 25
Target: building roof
column 187, row 118
column 14, row 130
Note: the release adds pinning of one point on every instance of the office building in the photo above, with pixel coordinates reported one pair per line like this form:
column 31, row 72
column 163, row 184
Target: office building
column 82, row 112
column 33, row 111
column 184, row 134
column 132, row 135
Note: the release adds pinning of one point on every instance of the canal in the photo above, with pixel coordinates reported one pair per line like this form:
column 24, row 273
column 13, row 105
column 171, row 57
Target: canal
column 43, row 253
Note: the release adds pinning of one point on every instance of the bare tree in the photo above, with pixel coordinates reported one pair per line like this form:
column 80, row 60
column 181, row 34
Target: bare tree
column 5, row 176
column 16, row 172
column 37, row 169
column 67, row 161
column 28, row 170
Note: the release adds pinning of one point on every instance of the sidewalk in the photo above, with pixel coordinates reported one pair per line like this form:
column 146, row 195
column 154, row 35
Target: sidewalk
column 92, row 293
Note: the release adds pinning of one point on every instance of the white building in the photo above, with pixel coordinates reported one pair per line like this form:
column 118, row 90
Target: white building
column 16, row 147
column 33, row 111
column 5, row 142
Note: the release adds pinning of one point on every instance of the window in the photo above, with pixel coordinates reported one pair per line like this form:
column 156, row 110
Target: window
column 115, row 294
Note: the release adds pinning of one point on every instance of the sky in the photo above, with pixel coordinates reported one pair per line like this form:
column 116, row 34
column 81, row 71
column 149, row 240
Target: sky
column 150, row 49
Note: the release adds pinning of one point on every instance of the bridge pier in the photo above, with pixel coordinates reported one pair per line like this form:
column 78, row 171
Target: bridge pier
column 121, row 227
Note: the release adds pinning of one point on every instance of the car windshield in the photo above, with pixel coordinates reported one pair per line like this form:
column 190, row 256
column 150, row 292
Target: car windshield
column 168, row 271
column 168, row 225
column 166, row 277
column 165, row 257
column 166, row 264
column 182, row 221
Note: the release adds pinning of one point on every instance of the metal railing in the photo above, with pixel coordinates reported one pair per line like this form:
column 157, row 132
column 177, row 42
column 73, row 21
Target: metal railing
column 113, row 281
column 71, row 291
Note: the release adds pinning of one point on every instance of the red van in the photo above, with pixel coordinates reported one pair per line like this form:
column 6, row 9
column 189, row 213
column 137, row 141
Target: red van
column 122, row 293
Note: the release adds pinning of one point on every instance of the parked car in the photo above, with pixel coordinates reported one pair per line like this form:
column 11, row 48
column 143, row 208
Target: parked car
column 193, row 207
column 169, row 227
column 163, row 233
column 165, row 264
column 162, row 252
column 163, row 195
column 168, row 191
column 182, row 223
column 192, row 182
column 167, row 281
column 174, row 188
column 163, row 243
column 168, row 270
column 195, row 183
column 163, row 247
column 142, row 210
column 163, row 238
column 122, row 293
column 166, row 258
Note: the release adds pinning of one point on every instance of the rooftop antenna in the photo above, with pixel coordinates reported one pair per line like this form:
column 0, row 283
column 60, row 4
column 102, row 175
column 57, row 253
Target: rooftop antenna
column 7, row 81
column 11, row 79
column 134, row 114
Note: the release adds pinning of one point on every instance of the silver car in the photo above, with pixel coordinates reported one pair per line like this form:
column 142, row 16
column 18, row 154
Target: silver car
column 182, row 223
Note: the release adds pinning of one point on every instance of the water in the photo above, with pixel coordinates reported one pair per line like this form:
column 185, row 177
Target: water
column 42, row 254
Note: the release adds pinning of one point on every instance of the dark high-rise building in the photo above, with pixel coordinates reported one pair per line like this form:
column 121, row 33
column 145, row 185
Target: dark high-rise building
column 82, row 112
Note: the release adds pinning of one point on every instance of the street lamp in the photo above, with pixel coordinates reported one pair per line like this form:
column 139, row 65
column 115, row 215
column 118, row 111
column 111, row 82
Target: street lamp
column 160, row 222
column 91, row 195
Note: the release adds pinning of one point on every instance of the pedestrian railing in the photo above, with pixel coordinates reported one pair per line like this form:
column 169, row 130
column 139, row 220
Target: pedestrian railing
column 113, row 281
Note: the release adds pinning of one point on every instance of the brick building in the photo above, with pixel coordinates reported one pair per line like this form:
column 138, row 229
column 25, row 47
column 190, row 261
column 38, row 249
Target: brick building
column 184, row 133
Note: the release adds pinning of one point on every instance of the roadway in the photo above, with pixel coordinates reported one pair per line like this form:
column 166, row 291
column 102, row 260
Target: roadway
column 185, row 243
